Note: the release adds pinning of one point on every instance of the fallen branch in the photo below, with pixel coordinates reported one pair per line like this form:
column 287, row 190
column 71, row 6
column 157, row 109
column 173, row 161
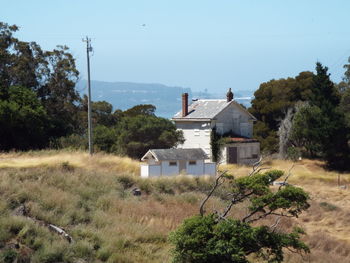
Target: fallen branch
column 23, row 211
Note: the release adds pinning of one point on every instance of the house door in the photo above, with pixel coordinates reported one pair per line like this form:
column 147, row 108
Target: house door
column 182, row 167
column 232, row 155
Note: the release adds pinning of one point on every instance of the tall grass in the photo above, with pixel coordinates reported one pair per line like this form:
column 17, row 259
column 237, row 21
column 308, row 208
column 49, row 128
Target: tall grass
column 91, row 198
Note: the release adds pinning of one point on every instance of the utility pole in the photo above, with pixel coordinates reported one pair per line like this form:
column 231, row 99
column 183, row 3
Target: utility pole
column 88, row 50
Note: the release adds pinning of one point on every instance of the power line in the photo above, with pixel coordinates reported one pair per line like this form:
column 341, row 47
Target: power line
column 88, row 50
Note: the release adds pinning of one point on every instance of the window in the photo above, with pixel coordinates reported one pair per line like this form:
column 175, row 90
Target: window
column 192, row 162
column 172, row 163
column 207, row 133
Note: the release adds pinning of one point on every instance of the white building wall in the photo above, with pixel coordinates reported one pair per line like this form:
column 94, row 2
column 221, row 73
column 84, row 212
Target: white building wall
column 248, row 153
column 167, row 169
column 196, row 134
column 197, row 169
column 236, row 120
column 154, row 170
column 210, row 169
column 144, row 170
column 149, row 170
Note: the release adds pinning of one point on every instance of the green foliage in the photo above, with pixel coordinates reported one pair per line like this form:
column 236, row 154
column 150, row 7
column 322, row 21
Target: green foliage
column 217, row 142
column 271, row 102
column 37, row 92
column 23, row 120
column 328, row 207
column 136, row 135
column 293, row 153
column 345, row 106
column 308, row 130
column 142, row 109
column 8, row 256
column 105, row 138
column 205, row 239
column 321, row 127
column 217, row 238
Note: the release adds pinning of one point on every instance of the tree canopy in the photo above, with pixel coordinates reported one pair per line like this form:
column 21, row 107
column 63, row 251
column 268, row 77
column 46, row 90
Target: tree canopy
column 219, row 237
column 271, row 102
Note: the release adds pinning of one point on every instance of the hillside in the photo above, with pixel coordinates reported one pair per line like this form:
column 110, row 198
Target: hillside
column 167, row 99
column 91, row 199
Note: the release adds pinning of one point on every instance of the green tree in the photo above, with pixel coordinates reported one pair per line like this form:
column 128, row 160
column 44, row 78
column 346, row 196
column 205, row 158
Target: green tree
column 271, row 102
column 136, row 135
column 51, row 75
column 23, row 120
column 334, row 136
column 142, row 109
column 308, row 129
column 58, row 93
column 105, row 138
column 216, row 237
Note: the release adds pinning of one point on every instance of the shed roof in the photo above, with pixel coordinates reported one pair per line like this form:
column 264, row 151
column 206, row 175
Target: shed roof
column 207, row 109
column 177, row 154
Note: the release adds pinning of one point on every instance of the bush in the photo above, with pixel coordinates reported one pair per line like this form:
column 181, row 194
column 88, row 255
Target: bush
column 8, row 256
column 126, row 181
column 204, row 239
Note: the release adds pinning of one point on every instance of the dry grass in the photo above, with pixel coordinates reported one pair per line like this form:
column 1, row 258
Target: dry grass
column 79, row 159
column 91, row 198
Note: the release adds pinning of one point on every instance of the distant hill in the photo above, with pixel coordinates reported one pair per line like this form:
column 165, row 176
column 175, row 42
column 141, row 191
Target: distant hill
column 167, row 99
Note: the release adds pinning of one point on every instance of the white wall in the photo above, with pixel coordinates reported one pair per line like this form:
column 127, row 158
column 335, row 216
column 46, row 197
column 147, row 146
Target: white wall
column 200, row 168
column 234, row 119
column 148, row 170
column 196, row 134
column 144, row 170
column 197, row 169
column 210, row 168
column 245, row 152
column 167, row 170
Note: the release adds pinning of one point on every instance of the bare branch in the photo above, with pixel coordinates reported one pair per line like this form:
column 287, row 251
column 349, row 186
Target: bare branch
column 288, row 175
column 216, row 185
column 274, row 226
column 234, row 201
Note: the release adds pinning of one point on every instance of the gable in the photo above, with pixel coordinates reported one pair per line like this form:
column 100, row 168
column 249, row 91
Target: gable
column 235, row 108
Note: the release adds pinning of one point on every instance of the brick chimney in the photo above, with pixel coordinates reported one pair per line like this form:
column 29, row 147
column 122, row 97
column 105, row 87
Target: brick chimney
column 184, row 104
column 229, row 95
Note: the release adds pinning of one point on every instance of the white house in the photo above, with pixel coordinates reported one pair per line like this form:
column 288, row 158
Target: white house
column 167, row 162
column 227, row 118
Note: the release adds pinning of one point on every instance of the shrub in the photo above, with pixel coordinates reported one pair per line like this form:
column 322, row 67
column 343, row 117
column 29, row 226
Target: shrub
column 328, row 207
column 8, row 256
column 126, row 181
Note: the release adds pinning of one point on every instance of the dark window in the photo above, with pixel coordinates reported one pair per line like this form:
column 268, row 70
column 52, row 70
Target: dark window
column 172, row 163
column 192, row 162
column 255, row 156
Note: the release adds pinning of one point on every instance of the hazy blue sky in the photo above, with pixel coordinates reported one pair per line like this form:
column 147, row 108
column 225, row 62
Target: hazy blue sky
column 191, row 43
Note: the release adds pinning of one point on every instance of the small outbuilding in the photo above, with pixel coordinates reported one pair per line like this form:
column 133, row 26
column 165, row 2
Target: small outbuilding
column 167, row 162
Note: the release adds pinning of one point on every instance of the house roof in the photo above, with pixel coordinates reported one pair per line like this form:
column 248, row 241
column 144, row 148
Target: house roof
column 176, row 154
column 207, row 110
column 241, row 140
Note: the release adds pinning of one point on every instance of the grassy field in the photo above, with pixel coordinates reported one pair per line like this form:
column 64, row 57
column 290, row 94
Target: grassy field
column 91, row 198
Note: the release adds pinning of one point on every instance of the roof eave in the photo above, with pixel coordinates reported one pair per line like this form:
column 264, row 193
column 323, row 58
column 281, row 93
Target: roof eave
column 192, row 119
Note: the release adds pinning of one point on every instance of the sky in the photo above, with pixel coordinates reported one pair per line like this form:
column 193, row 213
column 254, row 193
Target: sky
column 200, row 44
